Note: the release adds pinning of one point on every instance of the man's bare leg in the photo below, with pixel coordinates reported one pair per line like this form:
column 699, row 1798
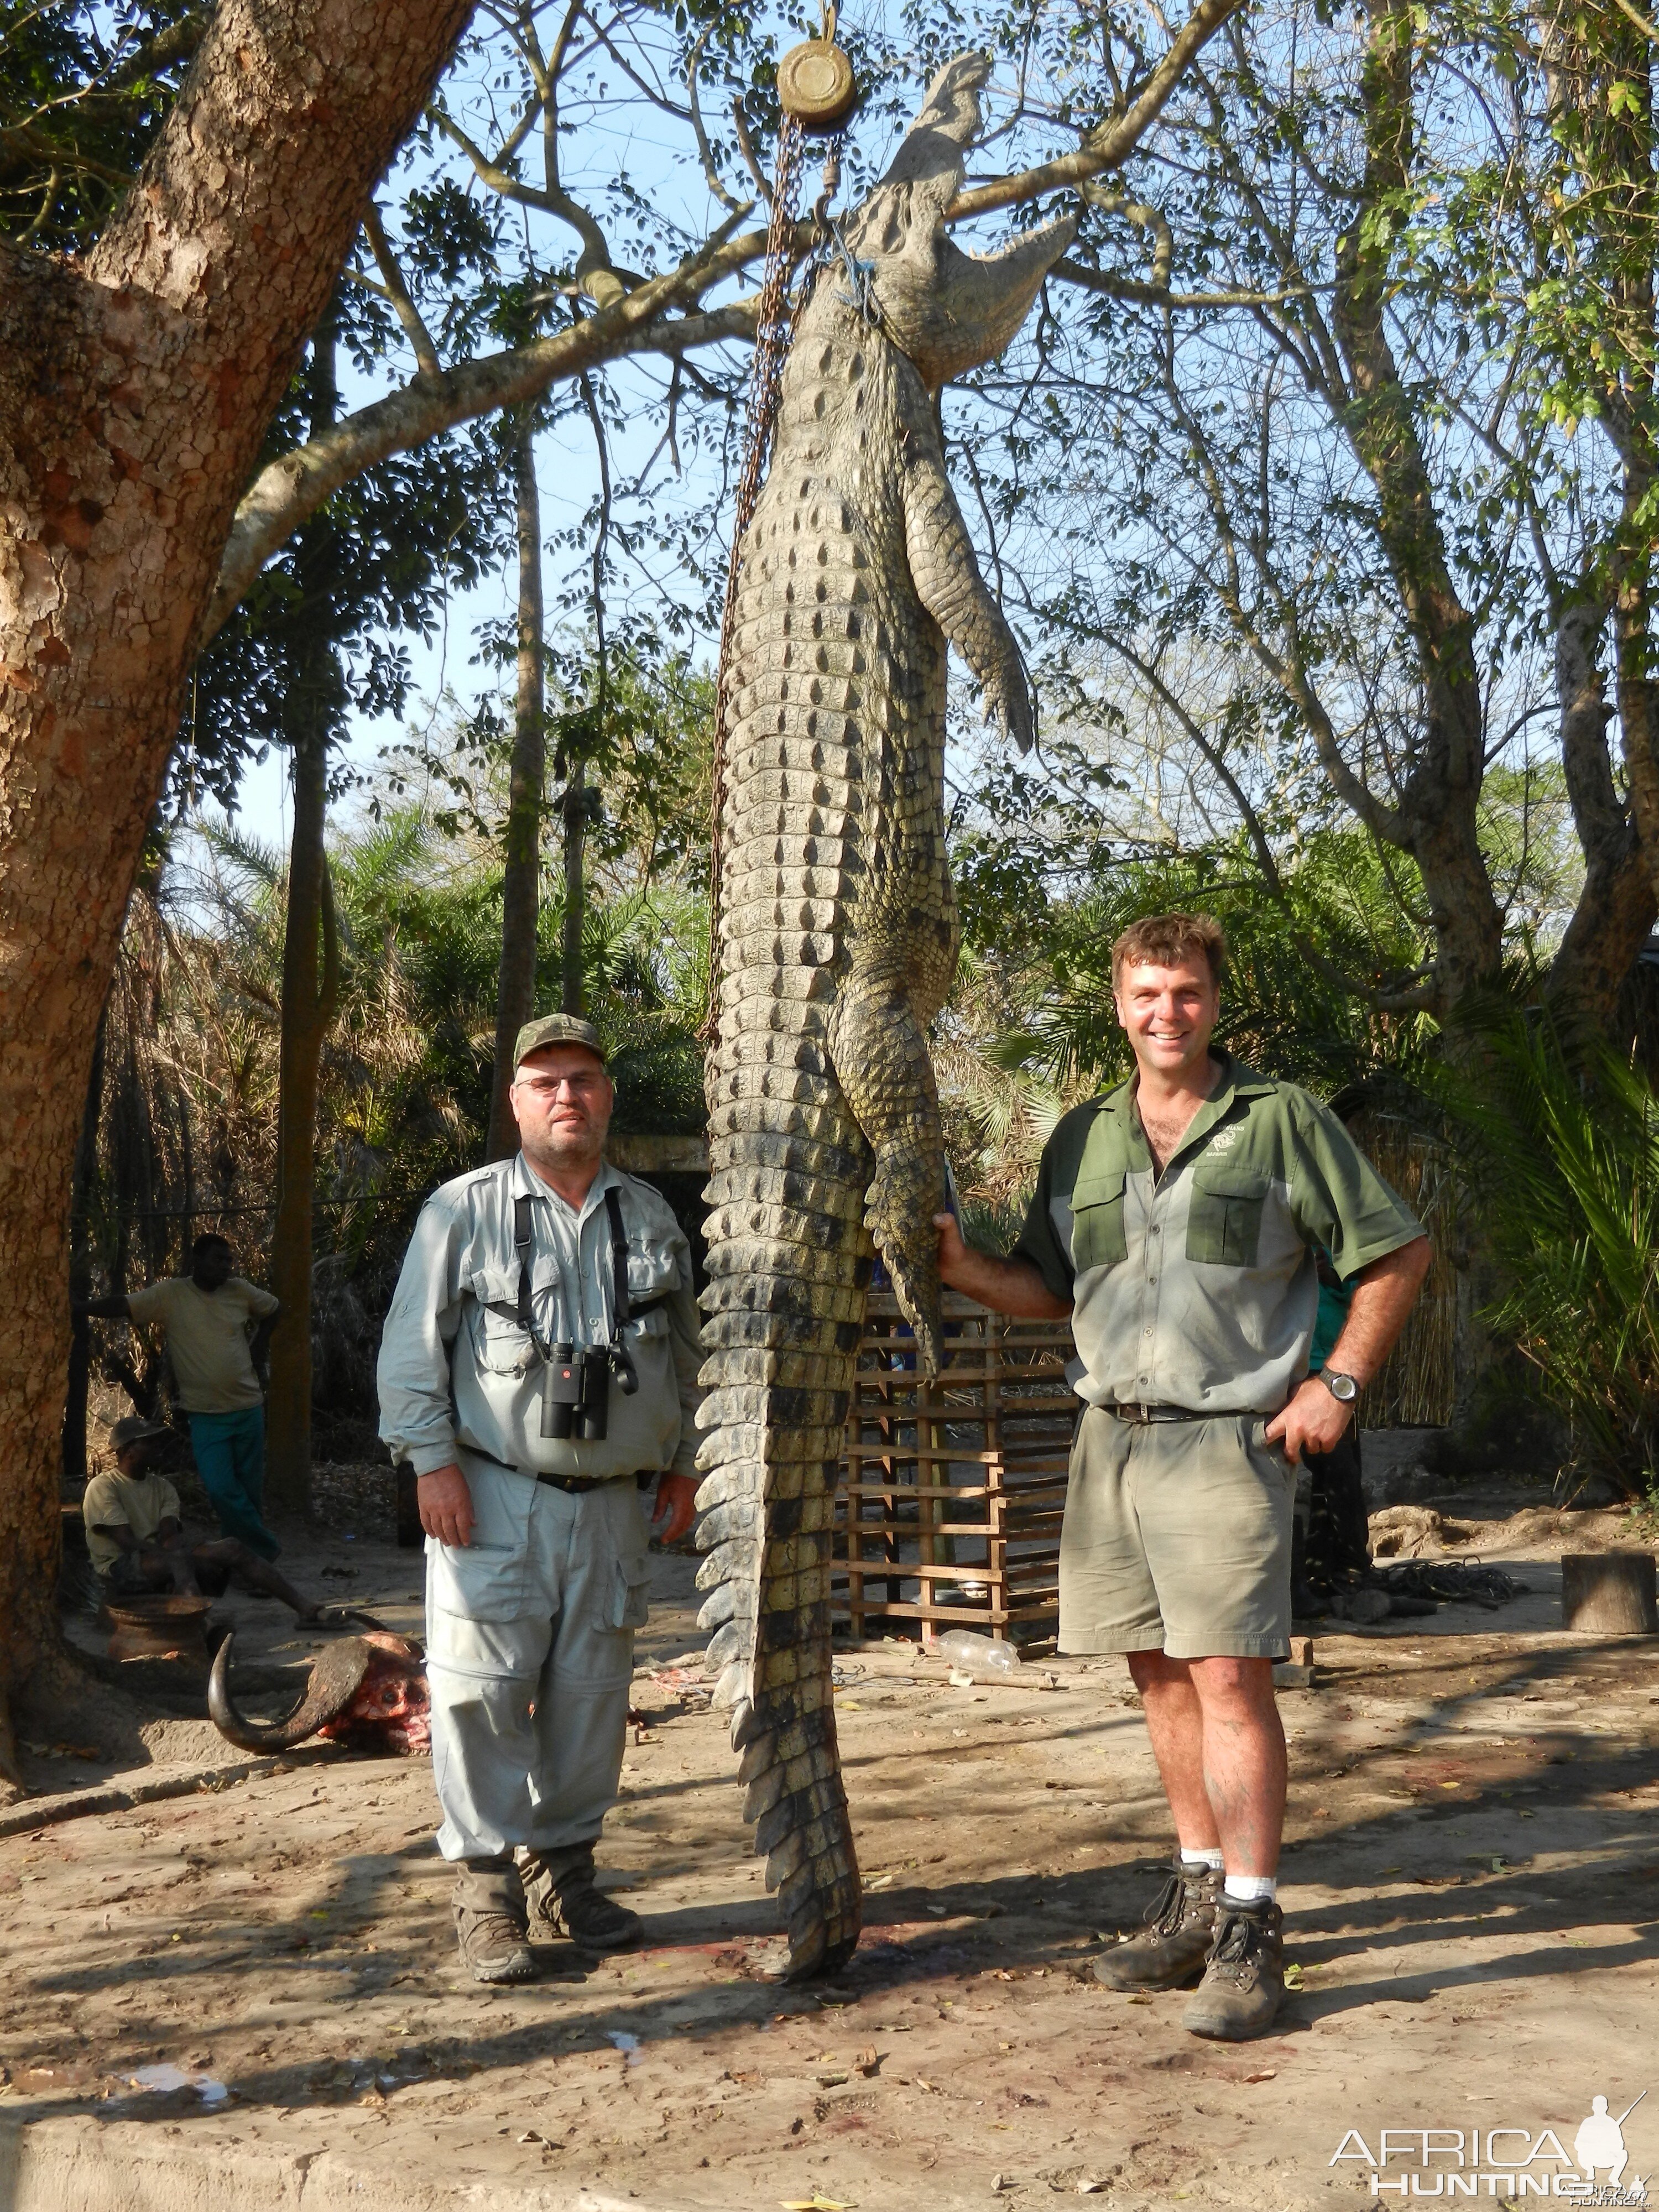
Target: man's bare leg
column 1175, row 1721
column 1244, row 1763
column 172, row 1560
column 250, row 1572
column 1220, row 1750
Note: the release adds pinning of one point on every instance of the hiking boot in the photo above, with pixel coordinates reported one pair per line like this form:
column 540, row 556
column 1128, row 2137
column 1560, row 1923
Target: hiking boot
column 564, row 1894
column 1243, row 1983
column 490, row 1922
column 1175, row 1940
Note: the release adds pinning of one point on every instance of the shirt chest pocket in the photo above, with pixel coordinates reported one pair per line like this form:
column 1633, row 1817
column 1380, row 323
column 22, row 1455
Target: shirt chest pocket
column 653, row 1270
column 501, row 1346
column 1099, row 1236
column 1223, row 1225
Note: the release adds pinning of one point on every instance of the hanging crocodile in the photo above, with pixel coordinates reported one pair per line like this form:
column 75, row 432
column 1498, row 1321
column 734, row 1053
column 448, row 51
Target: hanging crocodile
column 838, row 939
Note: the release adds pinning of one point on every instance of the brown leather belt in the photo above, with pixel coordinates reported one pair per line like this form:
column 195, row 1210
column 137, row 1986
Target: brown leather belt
column 1143, row 1416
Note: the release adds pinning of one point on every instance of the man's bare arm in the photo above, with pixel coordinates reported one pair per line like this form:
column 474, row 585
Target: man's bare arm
column 1006, row 1286
column 1383, row 1294
column 118, row 1534
column 111, row 1308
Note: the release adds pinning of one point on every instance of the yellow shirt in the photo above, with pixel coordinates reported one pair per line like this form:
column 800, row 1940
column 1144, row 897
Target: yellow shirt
column 114, row 1500
column 207, row 1339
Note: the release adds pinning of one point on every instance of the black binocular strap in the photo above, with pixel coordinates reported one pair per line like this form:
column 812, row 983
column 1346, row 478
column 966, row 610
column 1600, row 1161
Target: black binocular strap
column 620, row 1309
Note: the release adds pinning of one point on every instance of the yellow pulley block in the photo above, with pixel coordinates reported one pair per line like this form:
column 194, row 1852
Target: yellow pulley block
column 815, row 82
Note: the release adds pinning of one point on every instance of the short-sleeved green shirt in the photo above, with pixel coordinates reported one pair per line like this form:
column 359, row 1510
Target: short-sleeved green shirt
column 1198, row 1288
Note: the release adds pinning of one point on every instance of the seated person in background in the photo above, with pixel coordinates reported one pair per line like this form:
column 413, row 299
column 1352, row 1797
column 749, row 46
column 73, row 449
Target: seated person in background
column 135, row 1539
column 208, row 1315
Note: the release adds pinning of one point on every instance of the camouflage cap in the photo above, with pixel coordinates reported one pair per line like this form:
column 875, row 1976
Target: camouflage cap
column 134, row 1429
column 556, row 1029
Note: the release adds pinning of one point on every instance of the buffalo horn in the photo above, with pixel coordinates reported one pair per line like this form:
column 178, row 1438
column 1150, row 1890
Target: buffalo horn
column 337, row 1674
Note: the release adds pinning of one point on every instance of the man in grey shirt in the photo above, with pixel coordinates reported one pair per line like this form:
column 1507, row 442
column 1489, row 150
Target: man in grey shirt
column 539, row 1369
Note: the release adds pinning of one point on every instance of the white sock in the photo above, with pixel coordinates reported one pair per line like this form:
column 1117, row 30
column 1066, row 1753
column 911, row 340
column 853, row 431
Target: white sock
column 1212, row 1859
column 1249, row 1888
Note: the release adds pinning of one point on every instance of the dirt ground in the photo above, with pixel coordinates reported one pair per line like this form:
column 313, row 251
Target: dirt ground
column 1470, row 1887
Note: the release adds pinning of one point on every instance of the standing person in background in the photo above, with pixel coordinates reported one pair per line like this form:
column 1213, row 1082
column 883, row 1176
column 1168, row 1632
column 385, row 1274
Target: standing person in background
column 218, row 1328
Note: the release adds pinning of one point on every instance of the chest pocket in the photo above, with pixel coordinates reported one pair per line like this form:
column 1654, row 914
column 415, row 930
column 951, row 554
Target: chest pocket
column 501, row 1346
column 1099, row 1238
column 1223, row 1225
column 653, row 1270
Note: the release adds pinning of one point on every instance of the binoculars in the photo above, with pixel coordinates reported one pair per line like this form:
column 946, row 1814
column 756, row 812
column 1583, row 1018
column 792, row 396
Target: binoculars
column 576, row 1391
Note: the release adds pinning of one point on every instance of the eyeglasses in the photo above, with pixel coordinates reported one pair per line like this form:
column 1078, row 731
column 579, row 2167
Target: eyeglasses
column 548, row 1086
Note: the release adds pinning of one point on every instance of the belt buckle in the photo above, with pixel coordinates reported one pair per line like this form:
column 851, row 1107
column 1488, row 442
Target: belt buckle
column 1135, row 1413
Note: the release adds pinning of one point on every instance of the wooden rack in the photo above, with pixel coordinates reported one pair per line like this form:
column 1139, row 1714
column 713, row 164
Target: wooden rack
column 956, row 1479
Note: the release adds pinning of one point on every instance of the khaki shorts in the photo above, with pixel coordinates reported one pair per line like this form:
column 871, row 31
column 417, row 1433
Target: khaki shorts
column 1176, row 1539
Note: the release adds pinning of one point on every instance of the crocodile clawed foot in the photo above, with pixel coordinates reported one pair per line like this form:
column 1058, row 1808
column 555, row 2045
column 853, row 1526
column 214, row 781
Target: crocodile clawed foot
column 921, row 1302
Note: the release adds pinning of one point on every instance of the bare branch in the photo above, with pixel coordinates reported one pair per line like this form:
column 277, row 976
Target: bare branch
column 392, row 276
column 1110, row 145
column 595, row 278
column 295, row 485
column 710, row 169
column 763, row 182
column 1127, row 288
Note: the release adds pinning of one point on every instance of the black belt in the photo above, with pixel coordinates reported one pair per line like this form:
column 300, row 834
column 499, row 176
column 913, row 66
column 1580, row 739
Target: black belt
column 1143, row 1416
column 572, row 1484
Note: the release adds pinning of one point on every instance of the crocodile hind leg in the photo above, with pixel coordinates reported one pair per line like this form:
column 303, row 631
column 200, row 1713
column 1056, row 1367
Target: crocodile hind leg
column 886, row 1073
column 788, row 1266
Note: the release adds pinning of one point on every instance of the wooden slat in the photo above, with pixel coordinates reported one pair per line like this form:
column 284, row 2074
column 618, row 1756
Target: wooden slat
column 1001, row 1413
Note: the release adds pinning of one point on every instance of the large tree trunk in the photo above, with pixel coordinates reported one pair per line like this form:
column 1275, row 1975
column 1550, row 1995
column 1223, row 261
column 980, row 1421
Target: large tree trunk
column 313, row 706
column 136, row 386
column 515, row 995
column 309, row 994
column 1437, row 806
column 576, row 885
column 1616, row 907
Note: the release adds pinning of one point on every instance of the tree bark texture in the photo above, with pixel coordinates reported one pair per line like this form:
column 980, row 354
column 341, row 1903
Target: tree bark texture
column 1617, row 906
column 516, row 996
column 136, row 386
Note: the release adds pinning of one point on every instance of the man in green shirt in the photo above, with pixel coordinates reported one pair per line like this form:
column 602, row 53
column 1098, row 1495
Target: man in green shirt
column 1176, row 1222
column 217, row 1327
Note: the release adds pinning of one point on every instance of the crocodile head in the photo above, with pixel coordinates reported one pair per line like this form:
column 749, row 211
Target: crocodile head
column 947, row 310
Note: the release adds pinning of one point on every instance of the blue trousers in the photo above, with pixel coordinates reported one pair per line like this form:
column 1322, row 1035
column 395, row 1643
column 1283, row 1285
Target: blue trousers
column 230, row 1458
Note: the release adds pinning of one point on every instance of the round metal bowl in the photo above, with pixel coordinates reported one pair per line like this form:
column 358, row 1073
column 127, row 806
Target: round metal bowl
column 158, row 1627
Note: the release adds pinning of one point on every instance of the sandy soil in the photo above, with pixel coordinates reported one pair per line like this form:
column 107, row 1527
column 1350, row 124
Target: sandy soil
column 1471, row 1886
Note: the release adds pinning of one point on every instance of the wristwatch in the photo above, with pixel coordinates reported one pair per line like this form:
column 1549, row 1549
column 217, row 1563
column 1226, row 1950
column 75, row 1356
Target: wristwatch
column 1342, row 1388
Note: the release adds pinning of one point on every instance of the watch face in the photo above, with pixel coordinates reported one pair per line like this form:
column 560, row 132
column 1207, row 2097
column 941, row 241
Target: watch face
column 1342, row 1386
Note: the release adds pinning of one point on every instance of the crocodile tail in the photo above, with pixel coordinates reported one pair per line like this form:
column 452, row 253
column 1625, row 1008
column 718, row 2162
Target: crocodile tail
column 789, row 1265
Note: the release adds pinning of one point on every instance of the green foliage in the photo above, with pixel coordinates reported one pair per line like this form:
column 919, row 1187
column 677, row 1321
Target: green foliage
column 1562, row 1148
column 405, row 1081
column 83, row 89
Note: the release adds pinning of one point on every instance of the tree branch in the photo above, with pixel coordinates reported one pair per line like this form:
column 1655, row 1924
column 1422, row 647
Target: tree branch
column 1110, row 145
column 426, row 354
column 297, row 485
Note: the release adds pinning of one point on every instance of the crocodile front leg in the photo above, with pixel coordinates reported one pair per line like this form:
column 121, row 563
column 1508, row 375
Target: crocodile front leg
column 949, row 584
column 879, row 1046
